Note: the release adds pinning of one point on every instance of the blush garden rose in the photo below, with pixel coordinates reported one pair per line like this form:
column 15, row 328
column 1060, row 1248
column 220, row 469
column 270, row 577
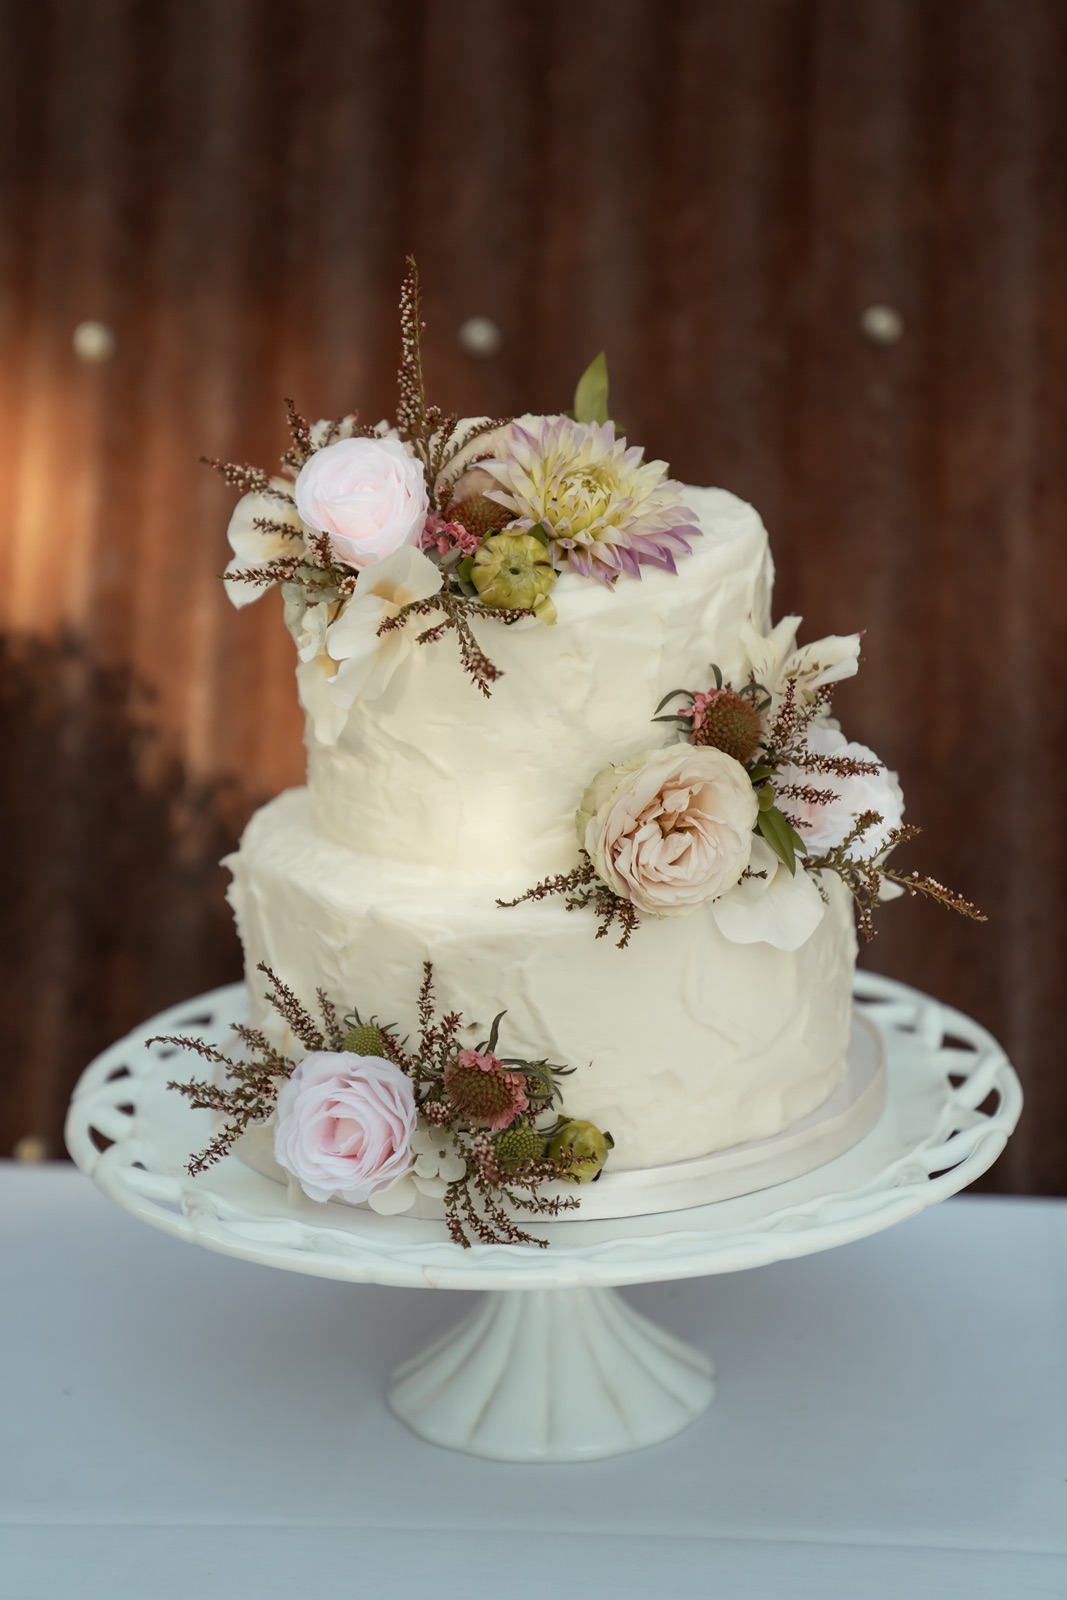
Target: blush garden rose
column 368, row 495
column 344, row 1125
column 669, row 829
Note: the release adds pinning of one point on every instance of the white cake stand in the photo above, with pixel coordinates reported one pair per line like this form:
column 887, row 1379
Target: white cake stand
column 553, row 1365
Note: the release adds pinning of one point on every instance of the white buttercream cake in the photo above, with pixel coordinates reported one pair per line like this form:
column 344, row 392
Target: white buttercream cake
column 436, row 803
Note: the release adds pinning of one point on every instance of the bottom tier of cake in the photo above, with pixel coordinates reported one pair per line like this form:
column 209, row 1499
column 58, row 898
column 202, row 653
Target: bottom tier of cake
column 682, row 1044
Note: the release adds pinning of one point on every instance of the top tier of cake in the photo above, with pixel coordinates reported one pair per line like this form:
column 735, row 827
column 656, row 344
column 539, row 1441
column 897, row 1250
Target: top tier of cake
column 434, row 773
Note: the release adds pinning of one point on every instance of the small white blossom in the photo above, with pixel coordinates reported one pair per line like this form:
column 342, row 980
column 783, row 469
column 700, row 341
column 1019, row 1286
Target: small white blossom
column 774, row 658
column 354, row 661
column 437, row 1164
column 771, row 905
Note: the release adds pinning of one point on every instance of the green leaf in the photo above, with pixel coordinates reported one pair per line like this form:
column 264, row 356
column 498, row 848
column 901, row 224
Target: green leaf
column 672, row 696
column 759, row 772
column 494, row 1031
column 538, row 1071
column 591, row 395
column 465, row 568
column 782, row 838
column 541, row 533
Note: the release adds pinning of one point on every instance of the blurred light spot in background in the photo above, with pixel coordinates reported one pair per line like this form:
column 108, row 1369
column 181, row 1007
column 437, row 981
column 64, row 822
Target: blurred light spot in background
column 93, row 342
column 31, row 1148
column 882, row 324
column 480, row 337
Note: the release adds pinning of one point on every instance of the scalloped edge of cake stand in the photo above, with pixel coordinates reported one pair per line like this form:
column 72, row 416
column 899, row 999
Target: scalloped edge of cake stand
column 952, row 1099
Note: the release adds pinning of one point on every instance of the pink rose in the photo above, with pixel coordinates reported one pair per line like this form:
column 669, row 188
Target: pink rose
column 670, row 829
column 369, row 495
column 344, row 1125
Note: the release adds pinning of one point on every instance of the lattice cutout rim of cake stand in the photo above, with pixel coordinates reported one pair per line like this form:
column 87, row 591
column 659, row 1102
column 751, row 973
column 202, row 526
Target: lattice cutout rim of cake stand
column 577, row 1375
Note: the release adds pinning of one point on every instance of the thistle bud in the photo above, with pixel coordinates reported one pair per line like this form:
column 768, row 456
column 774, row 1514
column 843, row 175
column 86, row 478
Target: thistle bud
column 364, row 1040
column 517, row 1147
column 728, row 721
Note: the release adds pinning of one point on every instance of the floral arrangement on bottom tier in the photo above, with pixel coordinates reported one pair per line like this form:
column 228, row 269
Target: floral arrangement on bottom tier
column 361, row 1117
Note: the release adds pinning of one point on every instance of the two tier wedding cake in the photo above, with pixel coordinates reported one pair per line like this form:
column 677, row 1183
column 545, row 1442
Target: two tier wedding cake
column 569, row 897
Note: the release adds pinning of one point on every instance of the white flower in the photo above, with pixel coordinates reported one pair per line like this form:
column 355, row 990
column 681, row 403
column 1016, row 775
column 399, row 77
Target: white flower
column 774, row 658
column 368, row 495
column 437, row 1161
column 464, row 473
column 824, row 827
column 307, row 623
column 669, row 829
column 779, row 908
column 437, row 1164
column 327, row 430
column 355, row 661
column 254, row 547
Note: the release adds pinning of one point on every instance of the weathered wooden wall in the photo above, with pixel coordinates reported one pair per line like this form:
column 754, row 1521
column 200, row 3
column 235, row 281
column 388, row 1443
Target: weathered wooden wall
column 713, row 191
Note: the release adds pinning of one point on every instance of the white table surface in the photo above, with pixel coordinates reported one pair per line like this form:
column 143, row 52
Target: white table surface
column 174, row 1424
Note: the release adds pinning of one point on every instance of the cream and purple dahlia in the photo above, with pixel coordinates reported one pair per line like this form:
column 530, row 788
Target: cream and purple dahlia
column 605, row 508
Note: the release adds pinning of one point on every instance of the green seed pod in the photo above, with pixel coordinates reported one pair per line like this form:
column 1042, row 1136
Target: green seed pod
column 514, row 570
column 581, row 1148
column 364, row 1040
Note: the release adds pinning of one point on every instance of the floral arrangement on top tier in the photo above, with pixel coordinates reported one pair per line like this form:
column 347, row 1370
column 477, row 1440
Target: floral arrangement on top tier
column 366, row 527
column 361, row 1116
column 763, row 781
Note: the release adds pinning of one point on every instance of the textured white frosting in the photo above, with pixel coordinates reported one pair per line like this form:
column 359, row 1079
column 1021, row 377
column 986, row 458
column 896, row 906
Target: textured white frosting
column 434, row 772
column 436, row 801
column 682, row 1044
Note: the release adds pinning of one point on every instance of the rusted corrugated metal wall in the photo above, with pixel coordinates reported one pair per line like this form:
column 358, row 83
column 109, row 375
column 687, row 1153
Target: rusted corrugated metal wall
column 712, row 190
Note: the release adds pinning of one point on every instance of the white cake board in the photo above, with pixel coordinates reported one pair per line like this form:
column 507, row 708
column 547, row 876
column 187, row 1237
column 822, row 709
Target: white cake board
column 550, row 1375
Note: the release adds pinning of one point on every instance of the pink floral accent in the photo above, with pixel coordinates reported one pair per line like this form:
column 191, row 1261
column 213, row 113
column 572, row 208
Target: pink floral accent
column 701, row 701
column 444, row 536
column 496, row 1102
column 344, row 1125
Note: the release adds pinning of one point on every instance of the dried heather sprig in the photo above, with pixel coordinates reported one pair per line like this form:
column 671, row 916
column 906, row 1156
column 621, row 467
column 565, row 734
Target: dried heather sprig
column 242, row 476
column 455, row 617
column 583, row 887
column 300, row 433
column 289, row 1008
column 331, row 1026
column 864, row 876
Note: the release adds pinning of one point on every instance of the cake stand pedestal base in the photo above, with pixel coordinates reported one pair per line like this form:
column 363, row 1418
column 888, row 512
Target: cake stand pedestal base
column 552, row 1375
